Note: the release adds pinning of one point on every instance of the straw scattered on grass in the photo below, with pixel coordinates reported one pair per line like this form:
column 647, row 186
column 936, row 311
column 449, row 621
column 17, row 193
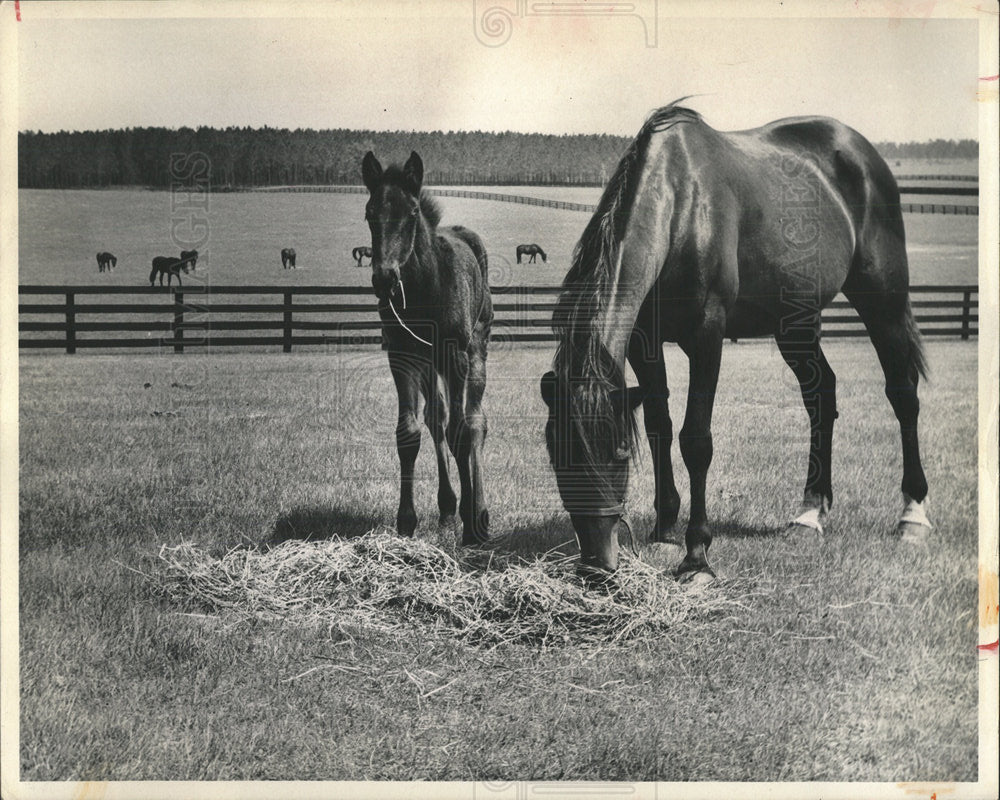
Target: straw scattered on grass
column 387, row 582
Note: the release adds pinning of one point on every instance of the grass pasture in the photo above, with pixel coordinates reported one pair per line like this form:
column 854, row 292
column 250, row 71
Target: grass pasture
column 851, row 658
column 61, row 231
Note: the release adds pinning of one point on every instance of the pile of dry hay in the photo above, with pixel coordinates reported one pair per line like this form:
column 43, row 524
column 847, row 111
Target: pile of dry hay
column 385, row 582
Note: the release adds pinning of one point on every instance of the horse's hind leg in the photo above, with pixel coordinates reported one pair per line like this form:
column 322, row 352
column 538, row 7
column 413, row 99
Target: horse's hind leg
column 894, row 334
column 406, row 373
column 800, row 347
column 435, row 417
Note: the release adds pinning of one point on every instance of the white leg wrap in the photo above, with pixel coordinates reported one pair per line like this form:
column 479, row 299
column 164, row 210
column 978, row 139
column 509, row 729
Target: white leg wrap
column 809, row 518
column 913, row 512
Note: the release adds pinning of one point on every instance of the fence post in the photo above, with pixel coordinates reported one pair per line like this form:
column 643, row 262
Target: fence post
column 966, row 311
column 178, row 327
column 288, row 323
column 70, row 323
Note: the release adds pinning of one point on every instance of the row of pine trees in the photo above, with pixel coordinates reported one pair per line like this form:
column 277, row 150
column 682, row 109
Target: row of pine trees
column 245, row 157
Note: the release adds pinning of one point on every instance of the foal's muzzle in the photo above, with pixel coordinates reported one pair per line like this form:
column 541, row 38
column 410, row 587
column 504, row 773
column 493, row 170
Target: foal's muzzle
column 384, row 282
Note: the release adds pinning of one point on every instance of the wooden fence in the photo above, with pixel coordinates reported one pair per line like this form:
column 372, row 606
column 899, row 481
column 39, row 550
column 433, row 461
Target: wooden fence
column 285, row 316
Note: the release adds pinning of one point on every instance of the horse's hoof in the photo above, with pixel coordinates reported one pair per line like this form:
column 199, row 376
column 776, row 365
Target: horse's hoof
column 800, row 531
column 696, row 580
column 913, row 527
column 913, row 532
column 446, row 520
column 597, row 577
column 665, row 555
column 470, row 540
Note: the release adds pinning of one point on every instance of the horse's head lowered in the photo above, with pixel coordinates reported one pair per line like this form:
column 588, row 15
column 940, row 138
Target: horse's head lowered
column 589, row 435
column 393, row 216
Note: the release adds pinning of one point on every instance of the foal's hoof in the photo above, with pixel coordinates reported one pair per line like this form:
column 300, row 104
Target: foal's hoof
column 478, row 534
column 913, row 532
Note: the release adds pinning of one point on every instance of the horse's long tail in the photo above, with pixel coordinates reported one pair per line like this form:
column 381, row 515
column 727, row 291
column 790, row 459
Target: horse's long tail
column 918, row 357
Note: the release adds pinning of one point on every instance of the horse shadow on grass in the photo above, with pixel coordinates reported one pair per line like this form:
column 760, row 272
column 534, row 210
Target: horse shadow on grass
column 734, row 529
column 316, row 523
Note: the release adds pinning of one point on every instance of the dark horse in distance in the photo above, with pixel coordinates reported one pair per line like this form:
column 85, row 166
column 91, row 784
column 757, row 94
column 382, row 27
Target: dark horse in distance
column 361, row 252
column 434, row 303
column 288, row 258
column 106, row 262
column 169, row 266
column 532, row 250
column 700, row 235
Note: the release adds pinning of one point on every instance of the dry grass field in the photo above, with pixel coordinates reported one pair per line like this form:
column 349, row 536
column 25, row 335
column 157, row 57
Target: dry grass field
column 846, row 658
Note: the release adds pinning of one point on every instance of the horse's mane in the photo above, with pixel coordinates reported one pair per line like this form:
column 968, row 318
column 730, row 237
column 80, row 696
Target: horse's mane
column 429, row 207
column 582, row 363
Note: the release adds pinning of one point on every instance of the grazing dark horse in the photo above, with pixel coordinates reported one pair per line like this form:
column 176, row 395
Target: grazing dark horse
column 361, row 252
column 190, row 255
column 532, row 250
column 106, row 262
column 169, row 266
column 288, row 258
column 434, row 302
column 700, row 235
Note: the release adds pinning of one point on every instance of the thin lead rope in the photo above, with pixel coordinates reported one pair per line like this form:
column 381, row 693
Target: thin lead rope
column 631, row 537
column 399, row 319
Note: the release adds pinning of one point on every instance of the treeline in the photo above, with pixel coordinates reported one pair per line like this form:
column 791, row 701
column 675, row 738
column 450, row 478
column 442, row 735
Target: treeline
column 936, row 148
column 244, row 157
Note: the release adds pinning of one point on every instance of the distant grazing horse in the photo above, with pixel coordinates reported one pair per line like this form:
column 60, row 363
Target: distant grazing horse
column 106, row 262
column 434, row 302
column 288, row 258
column 701, row 235
column 361, row 252
column 169, row 266
column 532, row 250
column 190, row 255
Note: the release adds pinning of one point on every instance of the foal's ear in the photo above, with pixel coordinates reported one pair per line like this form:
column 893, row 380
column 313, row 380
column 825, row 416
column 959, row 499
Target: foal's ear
column 549, row 388
column 371, row 170
column 630, row 397
column 414, row 169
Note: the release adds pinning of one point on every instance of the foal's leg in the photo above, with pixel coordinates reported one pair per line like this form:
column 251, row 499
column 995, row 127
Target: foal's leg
column 704, row 351
column 646, row 359
column 475, row 426
column 406, row 372
column 435, row 417
column 800, row 347
column 466, row 432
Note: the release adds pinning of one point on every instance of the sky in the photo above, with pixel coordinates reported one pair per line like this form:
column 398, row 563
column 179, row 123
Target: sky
column 423, row 67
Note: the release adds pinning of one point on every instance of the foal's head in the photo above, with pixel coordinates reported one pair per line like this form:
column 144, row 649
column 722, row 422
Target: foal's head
column 393, row 216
